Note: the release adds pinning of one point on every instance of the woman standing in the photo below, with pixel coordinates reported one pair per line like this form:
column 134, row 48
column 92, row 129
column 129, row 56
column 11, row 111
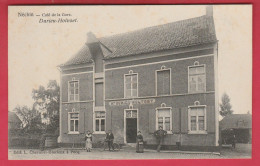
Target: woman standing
column 139, row 143
column 88, row 139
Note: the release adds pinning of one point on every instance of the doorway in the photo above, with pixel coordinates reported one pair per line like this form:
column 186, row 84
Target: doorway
column 130, row 126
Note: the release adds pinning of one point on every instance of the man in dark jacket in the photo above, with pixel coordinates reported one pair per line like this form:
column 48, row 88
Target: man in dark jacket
column 110, row 139
column 160, row 134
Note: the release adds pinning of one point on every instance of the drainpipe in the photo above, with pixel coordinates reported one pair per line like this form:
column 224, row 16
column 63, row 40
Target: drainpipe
column 180, row 130
column 111, row 120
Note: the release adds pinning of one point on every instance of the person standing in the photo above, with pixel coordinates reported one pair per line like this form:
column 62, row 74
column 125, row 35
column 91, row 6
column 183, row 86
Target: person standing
column 139, row 143
column 110, row 140
column 234, row 141
column 42, row 142
column 160, row 134
column 88, row 139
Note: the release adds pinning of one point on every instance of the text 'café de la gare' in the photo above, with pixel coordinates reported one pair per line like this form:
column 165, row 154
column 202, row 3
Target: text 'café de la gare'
column 164, row 75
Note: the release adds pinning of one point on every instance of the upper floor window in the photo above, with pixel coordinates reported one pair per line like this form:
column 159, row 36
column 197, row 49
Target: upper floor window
column 197, row 79
column 73, row 90
column 163, row 82
column 197, row 119
column 131, row 85
column 73, row 122
column 100, row 117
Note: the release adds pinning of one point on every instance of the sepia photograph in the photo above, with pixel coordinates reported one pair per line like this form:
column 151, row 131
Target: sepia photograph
column 116, row 82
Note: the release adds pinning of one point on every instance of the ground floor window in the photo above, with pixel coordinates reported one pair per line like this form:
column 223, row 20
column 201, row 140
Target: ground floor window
column 100, row 117
column 164, row 119
column 197, row 119
column 73, row 122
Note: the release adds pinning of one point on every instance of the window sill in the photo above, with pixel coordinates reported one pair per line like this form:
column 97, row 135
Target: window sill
column 195, row 92
column 197, row 132
column 99, row 132
column 130, row 97
column 163, row 95
column 73, row 101
column 73, row 132
column 168, row 132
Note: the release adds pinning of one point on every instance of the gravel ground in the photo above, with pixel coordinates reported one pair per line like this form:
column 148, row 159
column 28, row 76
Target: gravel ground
column 241, row 151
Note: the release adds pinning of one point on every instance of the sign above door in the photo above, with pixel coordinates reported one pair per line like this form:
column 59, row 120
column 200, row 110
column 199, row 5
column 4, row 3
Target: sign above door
column 132, row 102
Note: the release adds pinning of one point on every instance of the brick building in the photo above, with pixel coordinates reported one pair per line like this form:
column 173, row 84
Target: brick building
column 164, row 75
column 239, row 125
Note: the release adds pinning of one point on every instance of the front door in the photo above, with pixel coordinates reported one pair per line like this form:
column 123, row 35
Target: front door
column 131, row 126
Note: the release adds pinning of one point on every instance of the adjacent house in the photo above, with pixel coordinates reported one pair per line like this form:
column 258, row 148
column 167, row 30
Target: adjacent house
column 14, row 121
column 164, row 75
column 238, row 124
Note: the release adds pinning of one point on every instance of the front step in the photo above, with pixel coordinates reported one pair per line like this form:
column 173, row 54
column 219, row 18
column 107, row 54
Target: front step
column 133, row 145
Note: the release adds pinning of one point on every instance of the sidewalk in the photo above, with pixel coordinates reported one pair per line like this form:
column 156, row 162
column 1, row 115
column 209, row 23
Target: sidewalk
column 132, row 149
column 125, row 153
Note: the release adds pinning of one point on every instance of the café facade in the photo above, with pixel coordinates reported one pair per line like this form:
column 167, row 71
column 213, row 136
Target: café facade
column 164, row 75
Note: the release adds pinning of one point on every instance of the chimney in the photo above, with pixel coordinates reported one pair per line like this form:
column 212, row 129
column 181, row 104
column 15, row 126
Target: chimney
column 91, row 38
column 94, row 48
column 209, row 10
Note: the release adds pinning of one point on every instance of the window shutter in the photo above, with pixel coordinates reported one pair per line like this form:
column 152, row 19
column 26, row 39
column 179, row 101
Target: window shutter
column 175, row 120
column 166, row 82
column 163, row 82
column 64, row 122
column 82, row 121
column 89, row 120
column 210, row 116
column 160, row 85
column 184, row 119
column 108, row 120
column 152, row 121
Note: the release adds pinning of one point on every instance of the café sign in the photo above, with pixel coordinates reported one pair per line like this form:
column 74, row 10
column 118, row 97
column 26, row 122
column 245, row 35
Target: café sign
column 131, row 102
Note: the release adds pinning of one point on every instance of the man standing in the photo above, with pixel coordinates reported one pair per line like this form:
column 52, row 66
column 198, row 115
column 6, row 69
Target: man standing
column 110, row 140
column 234, row 141
column 160, row 134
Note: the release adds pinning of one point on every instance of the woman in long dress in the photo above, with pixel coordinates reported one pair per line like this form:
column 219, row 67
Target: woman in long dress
column 88, row 139
column 139, row 143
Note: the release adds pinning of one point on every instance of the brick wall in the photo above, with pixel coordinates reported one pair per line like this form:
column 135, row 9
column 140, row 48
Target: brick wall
column 179, row 101
column 114, row 79
column 85, row 121
column 84, row 106
column 85, row 86
column 147, row 119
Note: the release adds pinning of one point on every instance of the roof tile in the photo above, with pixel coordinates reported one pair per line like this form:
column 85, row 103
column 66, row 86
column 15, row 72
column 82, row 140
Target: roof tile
column 184, row 33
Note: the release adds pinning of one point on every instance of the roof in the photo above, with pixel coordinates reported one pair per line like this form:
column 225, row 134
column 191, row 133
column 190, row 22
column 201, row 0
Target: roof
column 184, row 33
column 82, row 56
column 12, row 117
column 236, row 121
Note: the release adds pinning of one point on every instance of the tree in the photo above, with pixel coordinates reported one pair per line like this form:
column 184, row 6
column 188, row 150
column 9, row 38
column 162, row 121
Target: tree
column 47, row 101
column 30, row 117
column 225, row 106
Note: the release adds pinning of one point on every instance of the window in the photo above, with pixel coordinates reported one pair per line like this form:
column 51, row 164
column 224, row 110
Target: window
column 164, row 119
column 197, row 122
column 131, row 114
column 131, row 85
column 73, row 122
column 100, row 117
column 99, row 97
column 197, row 79
column 163, row 82
column 73, row 90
